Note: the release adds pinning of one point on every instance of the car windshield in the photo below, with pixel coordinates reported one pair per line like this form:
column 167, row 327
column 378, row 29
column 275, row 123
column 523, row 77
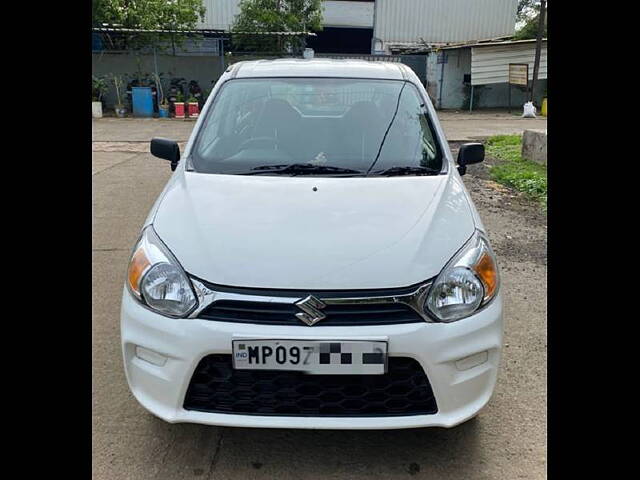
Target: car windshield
column 317, row 126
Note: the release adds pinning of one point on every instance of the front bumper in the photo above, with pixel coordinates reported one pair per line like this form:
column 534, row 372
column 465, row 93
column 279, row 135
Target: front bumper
column 460, row 360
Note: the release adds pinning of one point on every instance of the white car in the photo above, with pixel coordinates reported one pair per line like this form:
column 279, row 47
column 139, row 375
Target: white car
column 315, row 260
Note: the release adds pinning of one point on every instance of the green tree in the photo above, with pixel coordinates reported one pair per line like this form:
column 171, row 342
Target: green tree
column 149, row 14
column 528, row 15
column 530, row 30
column 259, row 16
column 526, row 9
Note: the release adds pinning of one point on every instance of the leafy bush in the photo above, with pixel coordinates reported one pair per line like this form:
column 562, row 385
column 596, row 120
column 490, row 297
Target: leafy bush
column 98, row 88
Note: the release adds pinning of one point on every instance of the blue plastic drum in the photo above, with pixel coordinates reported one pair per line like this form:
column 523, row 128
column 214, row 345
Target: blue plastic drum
column 142, row 102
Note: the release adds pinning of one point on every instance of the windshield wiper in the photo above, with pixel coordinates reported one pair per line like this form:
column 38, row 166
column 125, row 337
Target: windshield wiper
column 407, row 170
column 301, row 169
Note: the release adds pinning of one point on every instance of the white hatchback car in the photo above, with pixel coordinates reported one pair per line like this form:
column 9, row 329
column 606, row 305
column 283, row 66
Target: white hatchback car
column 315, row 261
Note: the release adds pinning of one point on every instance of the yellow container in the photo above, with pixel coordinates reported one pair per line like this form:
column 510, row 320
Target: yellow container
column 544, row 107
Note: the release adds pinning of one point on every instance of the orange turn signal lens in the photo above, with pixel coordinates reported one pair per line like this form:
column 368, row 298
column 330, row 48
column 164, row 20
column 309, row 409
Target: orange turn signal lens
column 487, row 270
column 138, row 265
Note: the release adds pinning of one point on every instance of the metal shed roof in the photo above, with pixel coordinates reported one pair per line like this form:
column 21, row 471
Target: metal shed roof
column 200, row 30
column 144, row 30
column 487, row 43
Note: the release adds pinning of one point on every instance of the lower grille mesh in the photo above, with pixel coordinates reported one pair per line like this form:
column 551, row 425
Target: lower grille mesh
column 217, row 388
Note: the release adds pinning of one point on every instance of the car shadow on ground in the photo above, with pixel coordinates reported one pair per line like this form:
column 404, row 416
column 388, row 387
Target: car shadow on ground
column 291, row 453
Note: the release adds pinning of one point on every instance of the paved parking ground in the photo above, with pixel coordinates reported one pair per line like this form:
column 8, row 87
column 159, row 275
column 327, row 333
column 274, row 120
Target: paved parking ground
column 463, row 125
column 458, row 125
column 506, row 441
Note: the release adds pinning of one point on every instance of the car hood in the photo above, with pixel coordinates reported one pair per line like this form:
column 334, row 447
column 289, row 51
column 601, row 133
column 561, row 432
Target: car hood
column 313, row 232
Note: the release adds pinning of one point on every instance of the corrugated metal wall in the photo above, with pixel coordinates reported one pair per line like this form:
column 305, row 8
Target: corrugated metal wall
column 491, row 64
column 408, row 21
column 404, row 21
column 220, row 14
column 347, row 14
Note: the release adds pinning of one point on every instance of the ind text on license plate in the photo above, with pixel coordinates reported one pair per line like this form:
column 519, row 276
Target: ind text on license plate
column 332, row 357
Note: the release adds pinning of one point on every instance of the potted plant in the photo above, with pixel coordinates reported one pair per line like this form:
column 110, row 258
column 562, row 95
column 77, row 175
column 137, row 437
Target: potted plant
column 163, row 108
column 119, row 107
column 179, row 105
column 99, row 88
column 194, row 110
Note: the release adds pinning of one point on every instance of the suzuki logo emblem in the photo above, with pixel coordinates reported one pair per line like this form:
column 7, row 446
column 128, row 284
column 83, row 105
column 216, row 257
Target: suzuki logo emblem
column 311, row 313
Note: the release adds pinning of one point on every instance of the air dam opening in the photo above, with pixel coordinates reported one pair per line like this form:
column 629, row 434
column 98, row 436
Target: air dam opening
column 217, row 388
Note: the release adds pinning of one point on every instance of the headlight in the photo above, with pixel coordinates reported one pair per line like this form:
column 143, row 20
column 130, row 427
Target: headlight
column 156, row 278
column 468, row 282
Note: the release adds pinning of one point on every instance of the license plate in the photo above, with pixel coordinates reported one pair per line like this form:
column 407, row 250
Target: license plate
column 316, row 357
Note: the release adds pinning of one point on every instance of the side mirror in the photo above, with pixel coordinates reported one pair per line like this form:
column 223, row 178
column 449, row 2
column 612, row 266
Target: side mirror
column 469, row 154
column 166, row 149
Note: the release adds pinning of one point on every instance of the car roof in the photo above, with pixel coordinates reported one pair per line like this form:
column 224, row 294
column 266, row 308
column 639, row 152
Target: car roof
column 319, row 67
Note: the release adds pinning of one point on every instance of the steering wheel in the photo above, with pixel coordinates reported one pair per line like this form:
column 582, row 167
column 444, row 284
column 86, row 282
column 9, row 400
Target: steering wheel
column 259, row 142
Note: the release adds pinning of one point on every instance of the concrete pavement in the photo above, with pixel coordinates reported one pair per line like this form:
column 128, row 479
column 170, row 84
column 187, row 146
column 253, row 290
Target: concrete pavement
column 139, row 129
column 460, row 126
column 507, row 440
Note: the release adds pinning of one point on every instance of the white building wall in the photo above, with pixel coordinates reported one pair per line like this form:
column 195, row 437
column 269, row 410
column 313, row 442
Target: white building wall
column 220, row 14
column 401, row 21
column 348, row 14
column 441, row 21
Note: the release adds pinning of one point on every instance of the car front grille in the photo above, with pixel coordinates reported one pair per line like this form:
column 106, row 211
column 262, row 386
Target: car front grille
column 284, row 313
column 217, row 388
column 260, row 306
